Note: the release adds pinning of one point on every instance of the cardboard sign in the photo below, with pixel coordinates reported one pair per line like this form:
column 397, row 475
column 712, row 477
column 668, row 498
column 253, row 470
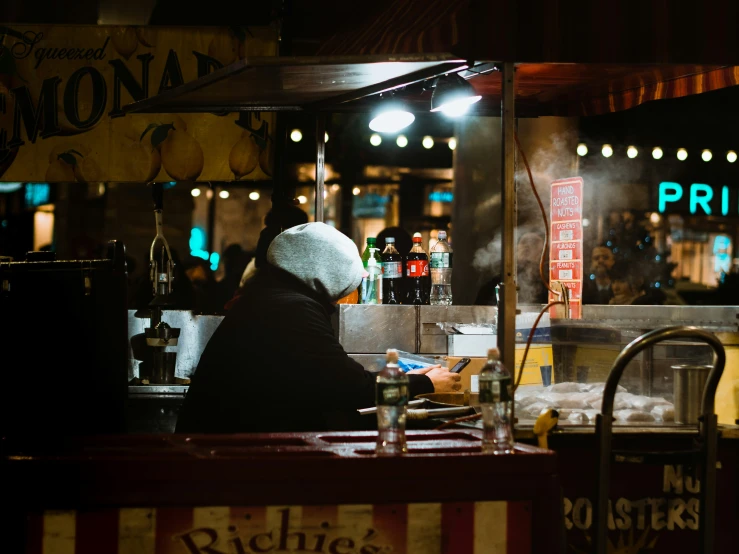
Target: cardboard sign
column 62, row 89
column 445, row 528
column 565, row 249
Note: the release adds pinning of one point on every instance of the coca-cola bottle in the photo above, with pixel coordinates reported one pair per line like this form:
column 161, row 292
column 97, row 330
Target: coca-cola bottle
column 417, row 273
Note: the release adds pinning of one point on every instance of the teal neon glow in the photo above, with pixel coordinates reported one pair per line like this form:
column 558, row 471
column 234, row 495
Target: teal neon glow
column 725, row 201
column 215, row 257
column 197, row 239
column 702, row 199
column 669, row 192
column 199, row 254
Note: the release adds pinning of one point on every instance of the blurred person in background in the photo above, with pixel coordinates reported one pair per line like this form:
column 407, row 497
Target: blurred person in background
column 234, row 260
column 597, row 285
column 531, row 290
column 403, row 239
column 628, row 286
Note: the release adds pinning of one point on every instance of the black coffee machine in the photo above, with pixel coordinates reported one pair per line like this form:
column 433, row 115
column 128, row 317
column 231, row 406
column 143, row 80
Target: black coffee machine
column 63, row 345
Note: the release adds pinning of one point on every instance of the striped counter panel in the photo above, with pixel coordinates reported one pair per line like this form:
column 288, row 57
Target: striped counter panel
column 448, row 528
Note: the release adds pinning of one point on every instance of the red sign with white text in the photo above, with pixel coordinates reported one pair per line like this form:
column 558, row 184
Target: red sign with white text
column 565, row 248
column 567, row 200
column 566, row 251
column 568, row 230
column 566, row 271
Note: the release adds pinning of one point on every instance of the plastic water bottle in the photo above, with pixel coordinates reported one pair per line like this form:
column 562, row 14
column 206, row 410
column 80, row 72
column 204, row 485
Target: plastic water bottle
column 441, row 272
column 392, row 402
column 496, row 394
column 373, row 287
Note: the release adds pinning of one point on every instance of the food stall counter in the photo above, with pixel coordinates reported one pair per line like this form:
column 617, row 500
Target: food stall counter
column 325, row 492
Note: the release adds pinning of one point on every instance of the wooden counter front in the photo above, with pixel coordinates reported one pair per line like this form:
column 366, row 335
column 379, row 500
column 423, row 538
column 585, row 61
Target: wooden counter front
column 319, row 492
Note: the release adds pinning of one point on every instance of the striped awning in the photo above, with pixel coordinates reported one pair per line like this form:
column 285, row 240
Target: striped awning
column 577, row 57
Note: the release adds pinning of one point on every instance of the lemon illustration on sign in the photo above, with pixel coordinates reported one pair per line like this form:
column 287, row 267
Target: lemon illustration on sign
column 61, row 170
column 244, row 156
column 124, row 41
column 146, row 36
column 140, row 163
column 224, row 48
column 182, row 156
column 87, row 170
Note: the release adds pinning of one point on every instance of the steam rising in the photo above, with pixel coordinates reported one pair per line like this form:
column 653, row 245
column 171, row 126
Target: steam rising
column 557, row 160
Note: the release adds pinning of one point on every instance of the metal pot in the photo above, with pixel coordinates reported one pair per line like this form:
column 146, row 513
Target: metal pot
column 689, row 382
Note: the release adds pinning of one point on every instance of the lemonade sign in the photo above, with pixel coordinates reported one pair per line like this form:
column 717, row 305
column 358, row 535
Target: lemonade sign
column 62, row 89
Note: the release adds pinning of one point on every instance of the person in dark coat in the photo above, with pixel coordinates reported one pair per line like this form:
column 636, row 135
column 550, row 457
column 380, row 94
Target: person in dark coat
column 596, row 286
column 274, row 364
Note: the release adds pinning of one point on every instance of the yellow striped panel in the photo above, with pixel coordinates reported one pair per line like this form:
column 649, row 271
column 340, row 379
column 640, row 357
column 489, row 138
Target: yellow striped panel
column 59, row 532
column 491, row 524
column 424, row 529
column 136, row 530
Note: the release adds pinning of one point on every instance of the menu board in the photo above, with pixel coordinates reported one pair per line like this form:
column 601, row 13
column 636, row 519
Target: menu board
column 565, row 248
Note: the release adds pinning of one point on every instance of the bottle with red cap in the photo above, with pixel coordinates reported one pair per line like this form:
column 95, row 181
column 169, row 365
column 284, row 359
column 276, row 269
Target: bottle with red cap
column 418, row 283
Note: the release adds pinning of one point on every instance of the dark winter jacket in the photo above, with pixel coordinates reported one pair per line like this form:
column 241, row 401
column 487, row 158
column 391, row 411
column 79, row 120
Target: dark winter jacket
column 274, row 365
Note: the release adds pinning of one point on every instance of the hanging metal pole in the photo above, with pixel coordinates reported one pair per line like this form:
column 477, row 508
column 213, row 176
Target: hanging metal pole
column 320, row 164
column 507, row 304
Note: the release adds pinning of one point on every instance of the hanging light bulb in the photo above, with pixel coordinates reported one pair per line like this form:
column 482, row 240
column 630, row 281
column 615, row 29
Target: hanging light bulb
column 607, row 151
column 632, row 152
column 325, row 137
column 706, row 155
column 657, row 153
column 682, row 154
column 390, row 116
column 224, row 194
column 375, row 139
column 195, row 192
column 427, row 142
column 453, row 96
column 254, row 195
column 452, row 143
column 402, row 141
column 731, row 156
column 296, row 135
column 582, row 149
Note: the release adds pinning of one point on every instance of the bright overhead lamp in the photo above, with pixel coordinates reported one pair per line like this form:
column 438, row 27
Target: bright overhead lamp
column 706, row 155
column 296, row 135
column 390, row 116
column 607, row 151
column 632, row 152
column 195, row 192
column 731, row 156
column 375, row 139
column 402, row 141
column 254, row 195
column 682, row 154
column 657, row 153
column 427, row 142
column 582, row 149
column 224, row 194
column 453, row 96
column 452, row 143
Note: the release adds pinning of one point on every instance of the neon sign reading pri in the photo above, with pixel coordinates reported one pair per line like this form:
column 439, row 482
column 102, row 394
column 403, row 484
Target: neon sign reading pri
column 699, row 196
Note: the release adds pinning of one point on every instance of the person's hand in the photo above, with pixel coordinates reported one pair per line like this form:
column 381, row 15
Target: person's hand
column 444, row 380
column 424, row 370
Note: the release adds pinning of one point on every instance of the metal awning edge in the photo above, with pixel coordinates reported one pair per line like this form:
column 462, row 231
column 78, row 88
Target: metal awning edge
column 154, row 103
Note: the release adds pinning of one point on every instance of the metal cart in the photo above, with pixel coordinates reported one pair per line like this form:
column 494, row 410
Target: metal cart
column 702, row 455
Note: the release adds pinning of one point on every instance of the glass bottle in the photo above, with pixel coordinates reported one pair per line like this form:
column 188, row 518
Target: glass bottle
column 496, row 397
